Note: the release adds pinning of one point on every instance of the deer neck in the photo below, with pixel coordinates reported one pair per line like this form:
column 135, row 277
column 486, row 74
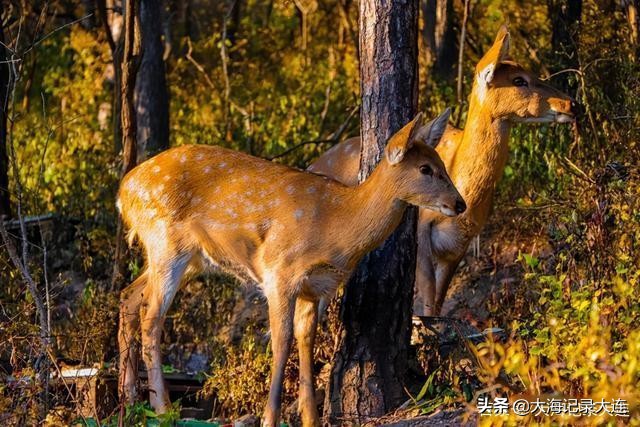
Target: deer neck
column 368, row 213
column 480, row 158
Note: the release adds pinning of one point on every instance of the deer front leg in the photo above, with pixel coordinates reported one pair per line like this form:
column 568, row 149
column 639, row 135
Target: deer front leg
column 164, row 281
column 424, row 303
column 130, row 301
column 281, row 312
column 305, row 324
column 445, row 269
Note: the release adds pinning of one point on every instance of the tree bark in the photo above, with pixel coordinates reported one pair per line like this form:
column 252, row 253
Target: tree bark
column 565, row 18
column 370, row 362
column 5, row 84
column 130, row 65
column 151, row 96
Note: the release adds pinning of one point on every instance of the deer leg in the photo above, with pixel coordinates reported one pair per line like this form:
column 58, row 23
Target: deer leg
column 445, row 270
column 424, row 303
column 305, row 323
column 164, row 280
column 281, row 312
column 130, row 301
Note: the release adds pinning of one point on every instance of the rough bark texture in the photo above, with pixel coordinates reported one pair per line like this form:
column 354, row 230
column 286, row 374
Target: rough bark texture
column 565, row 26
column 370, row 362
column 440, row 36
column 151, row 96
column 5, row 207
column 130, row 65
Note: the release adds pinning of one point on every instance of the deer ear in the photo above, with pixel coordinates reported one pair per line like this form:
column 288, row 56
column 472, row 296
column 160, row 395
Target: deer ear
column 494, row 56
column 402, row 141
column 432, row 132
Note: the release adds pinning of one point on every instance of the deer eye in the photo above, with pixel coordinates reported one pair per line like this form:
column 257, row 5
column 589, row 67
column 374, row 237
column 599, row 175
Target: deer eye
column 519, row 81
column 426, row 170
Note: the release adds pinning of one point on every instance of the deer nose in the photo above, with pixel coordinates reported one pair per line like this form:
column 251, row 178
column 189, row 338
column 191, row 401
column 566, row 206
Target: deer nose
column 461, row 206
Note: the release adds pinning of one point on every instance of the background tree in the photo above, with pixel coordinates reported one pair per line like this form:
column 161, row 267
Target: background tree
column 565, row 18
column 439, row 36
column 151, row 96
column 130, row 66
column 5, row 207
column 371, row 358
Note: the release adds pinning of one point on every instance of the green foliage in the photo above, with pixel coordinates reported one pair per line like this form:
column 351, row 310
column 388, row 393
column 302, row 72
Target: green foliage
column 240, row 378
column 140, row 415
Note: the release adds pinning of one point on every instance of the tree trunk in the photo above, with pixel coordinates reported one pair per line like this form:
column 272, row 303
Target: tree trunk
column 5, row 84
column 130, row 64
column 151, row 96
column 565, row 18
column 439, row 36
column 371, row 358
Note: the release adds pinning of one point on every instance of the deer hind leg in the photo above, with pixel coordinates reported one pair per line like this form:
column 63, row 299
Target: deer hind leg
column 130, row 301
column 164, row 282
column 281, row 311
column 305, row 323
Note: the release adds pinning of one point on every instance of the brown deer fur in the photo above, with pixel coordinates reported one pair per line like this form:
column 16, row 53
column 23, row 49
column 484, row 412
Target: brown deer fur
column 475, row 159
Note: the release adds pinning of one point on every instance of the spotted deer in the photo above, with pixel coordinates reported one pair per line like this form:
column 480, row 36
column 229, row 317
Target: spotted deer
column 296, row 234
column 503, row 93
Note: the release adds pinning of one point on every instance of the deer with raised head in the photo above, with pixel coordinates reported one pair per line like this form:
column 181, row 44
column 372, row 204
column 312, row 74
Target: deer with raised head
column 296, row 234
column 503, row 93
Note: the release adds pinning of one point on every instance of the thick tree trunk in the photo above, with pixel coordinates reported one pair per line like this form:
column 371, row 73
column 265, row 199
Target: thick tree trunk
column 5, row 84
column 151, row 96
column 565, row 18
column 439, row 36
column 130, row 65
column 370, row 362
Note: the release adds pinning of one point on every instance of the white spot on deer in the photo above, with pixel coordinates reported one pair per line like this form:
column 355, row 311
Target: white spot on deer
column 262, row 193
column 199, row 156
column 330, row 162
column 245, row 178
column 273, row 203
column 311, row 190
column 298, row 213
column 222, row 165
column 166, row 178
column 183, row 158
column 156, row 169
column 207, row 169
column 196, row 200
column 144, row 195
column 290, row 189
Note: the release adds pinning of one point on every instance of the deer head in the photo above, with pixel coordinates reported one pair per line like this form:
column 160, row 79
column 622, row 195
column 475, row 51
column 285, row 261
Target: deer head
column 416, row 167
column 506, row 90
